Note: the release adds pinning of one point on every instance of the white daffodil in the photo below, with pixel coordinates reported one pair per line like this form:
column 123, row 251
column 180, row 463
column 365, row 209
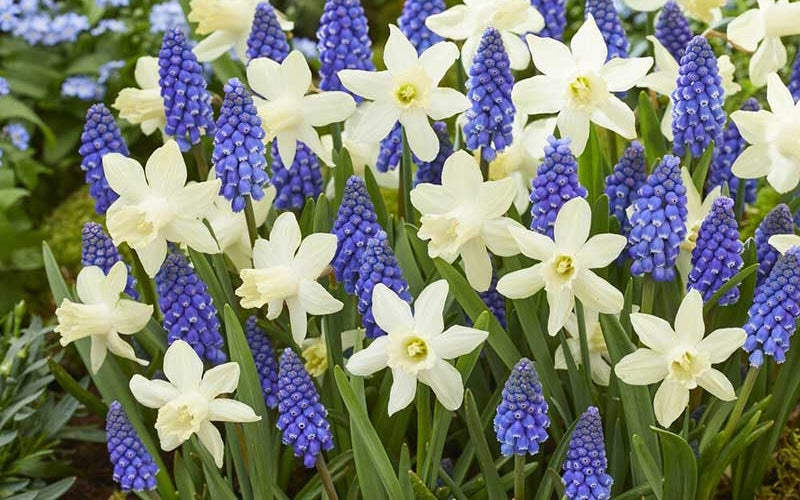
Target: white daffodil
column 416, row 347
column 407, row 91
column 102, row 314
column 772, row 135
column 598, row 351
column 521, row 159
column 143, row 106
column 286, row 268
column 512, row 18
column 707, row 11
column 187, row 401
column 315, row 350
column 697, row 209
column 228, row 24
column 230, row 228
column 783, row 242
column 681, row 357
column 464, row 216
column 760, row 30
column 565, row 266
column 579, row 85
column 151, row 211
column 727, row 73
column 287, row 113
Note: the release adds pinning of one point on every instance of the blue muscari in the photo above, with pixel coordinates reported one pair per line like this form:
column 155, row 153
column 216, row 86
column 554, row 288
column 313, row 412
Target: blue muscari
column 794, row 78
column 264, row 358
column 412, row 22
column 189, row 313
column 672, row 30
column 239, row 151
column 622, row 185
column 607, row 19
column 301, row 417
column 490, row 117
column 585, row 466
column 356, row 222
column 717, row 255
column 100, row 136
column 555, row 17
column 494, row 301
column 772, row 318
column 344, row 42
column 521, row 419
column 303, row 180
column 777, row 221
column 18, row 135
column 97, row 249
column 556, row 183
column 187, row 103
column 431, row 171
column 391, row 149
column 725, row 154
column 378, row 265
column 134, row 468
column 697, row 114
column 267, row 39
column 659, row 222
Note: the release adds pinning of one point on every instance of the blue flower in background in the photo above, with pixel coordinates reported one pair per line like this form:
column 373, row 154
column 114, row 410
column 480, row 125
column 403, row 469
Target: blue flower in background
column 112, row 3
column 18, row 135
column 166, row 16
column 607, row 19
column 134, row 468
column 391, row 149
column 65, row 28
column 267, row 39
column 585, row 466
column 672, row 30
column 109, row 26
column 622, row 186
column 412, row 22
column 521, row 419
column 794, row 79
column 109, row 69
column 264, row 359
column 306, row 46
column 8, row 15
column 97, row 249
column 82, row 87
column 431, row 171
column 4, row 88
column 302, row 180
column 100, row 136
column 777, row 221
column 494, row 301
column 725, row 154
column 344, row 42
column 555, row 17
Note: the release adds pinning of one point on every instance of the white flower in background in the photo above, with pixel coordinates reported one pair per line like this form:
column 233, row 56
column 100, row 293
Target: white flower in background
column 598, row 351
column 230, row 228
column 228, row 24
column 315, row 350
column 102, row 314
column 287, row 113
column 286, row 268
column 783, row 242
column 521, row 159
column 707, row 11
column 416, row 347
column 464, row 216
column 407, row 91
column 565, row 266
column 143, row 106
column 681, row 357
column 760, row 30
column 187, row 401
column 579, row 85
column 727, row 72
column 160, row 208
column 774, row 149
column 512, row 18
column 697, row 209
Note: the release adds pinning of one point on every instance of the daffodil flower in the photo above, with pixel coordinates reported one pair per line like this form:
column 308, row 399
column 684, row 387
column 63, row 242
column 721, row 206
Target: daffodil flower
column 565, row 266
column 707, row 11
column 315, row 351
column 783, row 242
column 230, row 228
column 102, row 314
column 143, row 106
column 416, row 347
column 187, row 401
column 598, row 351
column 578, row 84
column 681, row 357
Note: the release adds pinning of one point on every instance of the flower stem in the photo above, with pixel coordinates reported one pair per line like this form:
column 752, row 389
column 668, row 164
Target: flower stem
column 584, row 340
column 484, row 167
column 519, row 477
column 423, row 424
column 648, row 295
column 200, row 161
column 147, row 285
column 325, row 477
column 250, row 217
column 741, row 401
column 336, row 135
column 404, row 208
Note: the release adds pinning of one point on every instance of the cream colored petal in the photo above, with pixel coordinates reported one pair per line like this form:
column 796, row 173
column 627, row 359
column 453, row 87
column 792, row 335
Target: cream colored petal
column 432, row 199
column 229, row 410
column 598, row 294
column 221, row 379
column 146, row 72
column 89, row 285
column 588, row 47
column 518, row 54
column 422, row 140
column 532, row 244
column 689, row 325
column 296, row 73
column 754, row 126
column 120, row 348
column 720, row 344
column 671, row 400
column 550, row 56
column 327, row 107
column 286, row 233
column 152, row 255
column 455, row 23
column 314, row 254
column 783, row 242
column 784, row 173
column 540, row 94
column 194, row 233
column 165, row 169
column 778, row 95
column 368, row 361
column 429, row 308
column 457, row 341
column 574, row 125
column 372, row 85
column 183, row 367
column 496, row 197
column 462, row 176
column 131, row 317
column 214, row 45
column 715, row 382
column 645, row 5
column 521, row 284
column 210, row 438
column 446, row 102
column 316, row 300
column 477, row 264
column 642, row 367
column 621, row 73
column 404, row 388
column 98, row 352
column 392, row 313
column 446, row 383
column 437, row 59
column 654, row 332
column 263, row 75
column 152, row 393
column 125, row 176
column 298, row 320
column 754, row 162
column 601, row 250
column 562, row 302
column 768, row 58
column 616, row 116
column 496, row 235
column 378, row 122
column 398, row 54
column 746, row 30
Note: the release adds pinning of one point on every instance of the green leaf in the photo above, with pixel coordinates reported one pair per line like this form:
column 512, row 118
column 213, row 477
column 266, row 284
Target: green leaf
column 9, row 196
column 494, row 487
column 650, row 130
column 321, row 216
column 407, row 261
column 701, row 169
column 206, row 273
column 680, row 466
column 186, row 487
column 55, row 490
column 342, row 172
column 376, row 196
column 547, row 484
column 590, row 167
column 73, row 388
column 403, row 472
column 218, row 489
column 420, row 490
column 734, row 281
column 13, row 108
column 647, row 463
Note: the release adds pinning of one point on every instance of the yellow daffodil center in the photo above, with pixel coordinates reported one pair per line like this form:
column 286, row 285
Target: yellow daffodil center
column 416, row 348
column 316, row 357
column 687, row 366
column 501, row 167
column 581, row 89
column 406, row 93
column 691, row 236
column 564, row 265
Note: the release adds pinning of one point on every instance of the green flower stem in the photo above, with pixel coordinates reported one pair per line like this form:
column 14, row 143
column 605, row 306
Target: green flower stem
column 200, row 161
column 741, row 401
column 648, row 295
column 484, row 167
column 584, row 340
column 250, row 217
column 519, row 476
column 146, row 284
column 325, row 477
column 404, row 208
column 336, row 135
column 423, row 424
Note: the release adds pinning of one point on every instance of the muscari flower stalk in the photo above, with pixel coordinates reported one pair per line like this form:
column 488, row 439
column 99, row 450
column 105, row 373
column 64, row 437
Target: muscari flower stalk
column 521, row 419
column 622, row 186
column 356, row 222
column 672, row 30
column 777, row 221
column 134, row 468
column 585, row 466
column 301, row 417
column 794, row 78
column 187, row 103
column 412, row 22
column 431, row 171
column 264, row 358
column 555, row 17
column 772, row 318
column 494, row 301
column 344, row 42
column 556, row 183
column 607, row 19
column 378, row 265
column 697, row 114
column 718, row 254
column 267, row 39
column 659, row 222
column 491, row 115
column 189, row 313
column 391, row 148
column 97, row 249
column 100, row 136
column 239, row 152
column 725, row 154
column 303, row 179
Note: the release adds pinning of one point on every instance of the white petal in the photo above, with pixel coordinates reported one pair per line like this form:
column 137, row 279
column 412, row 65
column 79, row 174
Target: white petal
column 572, row 225
column 431, row 199
column 754, row 162
column 601, row 370
column 641, row 367
column 210, row 438
column 378, row 122
column 429, row 308
column 720, row 344
column 575, row 125
column 670, row 401
column 455, row 23
column 622, row 73
column 654, row 332
column 784, row 173
column 229, row 410
column 183, row 367
column 746, row 30
column 753, row 125
column 457, row 341
column 783, row 242
column 778, row 95
column 89, row 285
column 588, row 47
column 131, row 317
column 597, row 293
column 601, row 250
column 561, row 302
column 532, row 244
column 392, row 313
column 373, row 85
column 689, row 325
column 645, row 5
column 462, row 176
column 165, row 169
column 446, row 383
column 194, row 233
column 214, row 45
column 539, row 94
column 496, row 235
column 315, row 253
column 521, row 284
column 768, row 58
column 285, row 236
column 146, row 72
column 221, row 379
column 195, row 198
column 404, row 388
column 125, row 176
column 119, row 347
column 152, row 255
column 550, row 56
column 437, row 59
column 327, row 107
column 152, row 393
column 477, row 264
column 446, row 102
column 615, row 115
column 398, row 53
column 98, row 352
column 518, row 54
column 264, row 78
column 715, row 382
column 496, row 196
column 422, row 140
column 296, row 73
column 316, row 300
column 298, row 320
column 370, row 360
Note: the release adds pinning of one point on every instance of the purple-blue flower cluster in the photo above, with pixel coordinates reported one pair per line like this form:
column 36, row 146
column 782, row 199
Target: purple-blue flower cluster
column 391, row 148
column 555, row 17
column 494, row 301
column 585, row 476
column 303, row 179
column 264, row 359
column 521, row 419
column 412, row 22
column 166, row 16
column 38, row 26
column 622, row 186
column 672, row 30
column 82, row 87
column 431, row 171
column 725, row 154
column 607, row 19
column 134, row 468
column 344, row 42
column 100, row 136
column 777, row 221
column 266, row 36
column 794, row 78
column 97, row 249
